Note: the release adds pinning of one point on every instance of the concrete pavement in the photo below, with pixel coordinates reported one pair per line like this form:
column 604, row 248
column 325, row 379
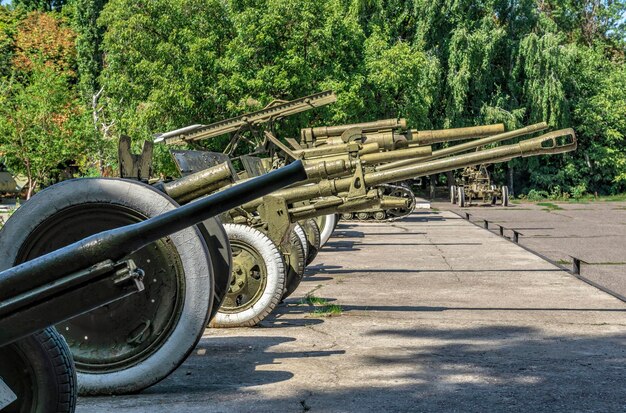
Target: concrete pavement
column 438, row 315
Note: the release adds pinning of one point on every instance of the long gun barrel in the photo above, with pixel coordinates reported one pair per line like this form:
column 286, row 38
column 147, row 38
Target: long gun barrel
column 560, row 141
column 271, row 113
column 198, row 184
column 311, row 134
column 391, row 134
column 430, row 137
column 58, row 284
column 456, row 149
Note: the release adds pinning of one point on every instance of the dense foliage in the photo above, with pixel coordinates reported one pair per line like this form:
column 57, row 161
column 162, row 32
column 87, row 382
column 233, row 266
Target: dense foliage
column 145, row 66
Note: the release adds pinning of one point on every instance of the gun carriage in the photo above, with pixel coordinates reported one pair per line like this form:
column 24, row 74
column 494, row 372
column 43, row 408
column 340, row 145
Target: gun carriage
column 347, row 177
column 58, row 272
column 476, row 183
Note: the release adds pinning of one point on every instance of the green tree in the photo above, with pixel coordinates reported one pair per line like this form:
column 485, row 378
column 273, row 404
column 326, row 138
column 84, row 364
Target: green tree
column 42, row 5
column 88, row 45
column 38, row 125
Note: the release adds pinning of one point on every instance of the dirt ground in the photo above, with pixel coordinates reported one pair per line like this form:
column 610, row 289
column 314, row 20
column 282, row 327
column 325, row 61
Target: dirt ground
column 594, row 232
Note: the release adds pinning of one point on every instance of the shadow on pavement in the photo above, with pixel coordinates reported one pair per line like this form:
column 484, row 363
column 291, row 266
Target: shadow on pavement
column 494, row 368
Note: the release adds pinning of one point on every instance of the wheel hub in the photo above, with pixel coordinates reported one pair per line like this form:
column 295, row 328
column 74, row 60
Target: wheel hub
column 126, row 332
column 248, row 281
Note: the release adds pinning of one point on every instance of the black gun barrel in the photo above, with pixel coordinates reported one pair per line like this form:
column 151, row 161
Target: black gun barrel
column 44, row 274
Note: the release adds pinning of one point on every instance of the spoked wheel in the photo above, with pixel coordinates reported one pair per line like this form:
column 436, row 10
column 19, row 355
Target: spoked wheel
column 133, row 343
column 313, row 238
column 405, row 192
column 258, row 278
column 40, row 371
column 461, row 196
column 453, row 194
column 327, row 224
column 505, row 195
column 295, row 260
column 380, row 215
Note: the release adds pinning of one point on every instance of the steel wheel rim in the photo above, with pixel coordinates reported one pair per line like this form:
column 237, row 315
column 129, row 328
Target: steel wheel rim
column 122, row 334
column 249, row 278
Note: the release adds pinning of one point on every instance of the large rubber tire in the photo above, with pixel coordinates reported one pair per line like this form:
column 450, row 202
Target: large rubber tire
column 327, row 227
column 461, row 196
column 295, row 261
column 271, row 269
column 136, row 342
column 313, row 238
column 221, row 258
column 40, row 371
column 505, row 195
column 303, row 241
column 453, row 194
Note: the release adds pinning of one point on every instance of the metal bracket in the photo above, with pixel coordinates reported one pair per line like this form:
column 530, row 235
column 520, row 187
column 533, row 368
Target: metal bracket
column 576, row 264
column 129, row 271
column 275, row 213
column 357, row 187
column 135, row 166
column 276, row 142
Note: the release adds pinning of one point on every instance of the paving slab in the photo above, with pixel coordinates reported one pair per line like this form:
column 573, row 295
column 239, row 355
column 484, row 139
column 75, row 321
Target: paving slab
column 594, row 232
column 438, row 315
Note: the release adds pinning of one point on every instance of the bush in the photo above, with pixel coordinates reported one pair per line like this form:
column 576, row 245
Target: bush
column 535, row 195
column 579, row 190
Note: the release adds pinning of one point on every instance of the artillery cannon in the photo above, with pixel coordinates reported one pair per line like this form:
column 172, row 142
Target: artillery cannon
column 475, row 183
column 56, row 268
column 386, row 135
column 273, row 214
column 390, row 134
column 342, row 155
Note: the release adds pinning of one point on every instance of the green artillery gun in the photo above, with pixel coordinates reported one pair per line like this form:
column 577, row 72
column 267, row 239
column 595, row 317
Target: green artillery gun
column 475, row 183
column 390, row 134
column 253, row 123
column 348, row 152
column 130, row 344
column 329, row 191
column 373, row 143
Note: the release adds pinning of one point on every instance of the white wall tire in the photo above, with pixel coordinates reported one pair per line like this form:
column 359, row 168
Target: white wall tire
column 327, row 227
column 505, row 195
column 234, row 313
column 165, row 347
column 313, row 238
column 461, row 197
column 295, row 261
column 302, row 237
column 218, row 246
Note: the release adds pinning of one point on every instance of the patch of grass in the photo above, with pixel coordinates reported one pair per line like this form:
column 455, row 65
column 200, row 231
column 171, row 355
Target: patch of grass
column 313, row 300
column 321, row 306
column 434, row 209
column 328, row 311
column 549, row 206
column 613, row 198
column 563, row 262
